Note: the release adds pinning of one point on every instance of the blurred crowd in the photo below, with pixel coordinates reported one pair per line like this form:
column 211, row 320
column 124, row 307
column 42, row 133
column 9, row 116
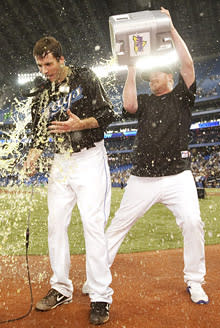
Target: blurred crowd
column 204, row 93
column 209, row 87
column 207, row 135
column 205, row 161
column 205, row 167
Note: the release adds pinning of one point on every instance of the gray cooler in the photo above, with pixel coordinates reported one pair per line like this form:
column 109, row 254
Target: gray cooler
column 139, row 34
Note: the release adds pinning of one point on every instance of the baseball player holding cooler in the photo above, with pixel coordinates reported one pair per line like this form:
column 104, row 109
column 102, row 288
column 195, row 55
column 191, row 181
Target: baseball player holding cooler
column 73, row 107
column 161, row 163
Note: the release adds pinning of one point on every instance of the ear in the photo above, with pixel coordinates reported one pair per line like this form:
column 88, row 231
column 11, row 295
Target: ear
column 62, row 60
column 170, row 80
column 37, row 58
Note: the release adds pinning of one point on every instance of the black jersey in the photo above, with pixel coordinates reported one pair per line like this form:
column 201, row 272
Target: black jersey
column 161, row 144
column 83, row 94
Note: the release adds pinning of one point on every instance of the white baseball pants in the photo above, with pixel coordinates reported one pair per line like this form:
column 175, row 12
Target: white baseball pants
column 81, row 178
column 178, row 192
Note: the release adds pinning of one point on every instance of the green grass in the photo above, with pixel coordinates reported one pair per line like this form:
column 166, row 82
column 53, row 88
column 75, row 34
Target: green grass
column 157, row 229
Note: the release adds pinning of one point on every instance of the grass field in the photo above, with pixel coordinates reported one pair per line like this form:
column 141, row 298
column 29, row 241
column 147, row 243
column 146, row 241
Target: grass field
column 155, row 230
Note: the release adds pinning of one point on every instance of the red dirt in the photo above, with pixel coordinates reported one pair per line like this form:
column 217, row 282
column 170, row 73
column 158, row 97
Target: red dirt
column 149, row 292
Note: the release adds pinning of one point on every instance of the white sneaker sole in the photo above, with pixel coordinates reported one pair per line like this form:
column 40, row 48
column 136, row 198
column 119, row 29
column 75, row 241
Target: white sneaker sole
column 202, row 301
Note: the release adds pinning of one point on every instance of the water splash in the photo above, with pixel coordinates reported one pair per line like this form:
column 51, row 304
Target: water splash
column 10, row 152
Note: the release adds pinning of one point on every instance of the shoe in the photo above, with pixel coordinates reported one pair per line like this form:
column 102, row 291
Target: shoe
column 99, row 313
column 197, row 293
column 85, row 289
column 52, row 300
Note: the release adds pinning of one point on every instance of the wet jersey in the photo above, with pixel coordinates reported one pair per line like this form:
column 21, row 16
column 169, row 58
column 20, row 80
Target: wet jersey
column 161, row 144
column 83, row 94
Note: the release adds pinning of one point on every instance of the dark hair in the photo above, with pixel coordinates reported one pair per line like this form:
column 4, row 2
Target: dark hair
column 145, row 75
column 46, row 45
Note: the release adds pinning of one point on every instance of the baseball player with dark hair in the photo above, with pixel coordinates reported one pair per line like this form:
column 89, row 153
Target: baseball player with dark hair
column 74, row 109
column 161, row 163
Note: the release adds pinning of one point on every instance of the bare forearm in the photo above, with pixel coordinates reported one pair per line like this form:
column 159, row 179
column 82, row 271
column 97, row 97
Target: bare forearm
column 34, row 154
column 186, row 63
column 31, row 161
column 88, row 123
column 130, row 91
column 181, row 48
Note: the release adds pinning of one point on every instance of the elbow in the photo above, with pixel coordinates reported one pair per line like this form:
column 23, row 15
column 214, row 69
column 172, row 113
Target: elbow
column 130, row 107
column 188, row 72
column 190, row 65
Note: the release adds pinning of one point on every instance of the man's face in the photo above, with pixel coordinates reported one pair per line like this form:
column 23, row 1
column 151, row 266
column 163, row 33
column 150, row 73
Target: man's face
column 50, row 66
column 160, row 83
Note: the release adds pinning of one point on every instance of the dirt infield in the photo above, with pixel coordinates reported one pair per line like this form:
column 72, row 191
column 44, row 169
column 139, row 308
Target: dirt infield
column 149, row 292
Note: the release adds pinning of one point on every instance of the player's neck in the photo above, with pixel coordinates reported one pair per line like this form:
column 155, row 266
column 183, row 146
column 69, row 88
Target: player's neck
column 63, row 74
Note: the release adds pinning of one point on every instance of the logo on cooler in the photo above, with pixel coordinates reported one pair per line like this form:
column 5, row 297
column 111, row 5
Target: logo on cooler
column 139, row 43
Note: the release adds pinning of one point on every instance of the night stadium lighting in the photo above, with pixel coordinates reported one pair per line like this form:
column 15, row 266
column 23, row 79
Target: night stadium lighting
column 28, row 77
column 102, row 71
column 169, row 58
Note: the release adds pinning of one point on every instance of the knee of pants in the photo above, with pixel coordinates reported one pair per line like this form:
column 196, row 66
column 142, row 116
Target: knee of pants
column 94, row 223
column 192, row 225
column 57, row 229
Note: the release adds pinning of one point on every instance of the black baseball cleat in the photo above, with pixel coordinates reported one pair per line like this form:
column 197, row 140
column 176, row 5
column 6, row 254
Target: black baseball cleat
column 99, row 313
column 52, row 300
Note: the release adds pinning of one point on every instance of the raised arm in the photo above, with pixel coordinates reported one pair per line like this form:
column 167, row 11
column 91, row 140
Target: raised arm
column 130, row 91
column 186, row 63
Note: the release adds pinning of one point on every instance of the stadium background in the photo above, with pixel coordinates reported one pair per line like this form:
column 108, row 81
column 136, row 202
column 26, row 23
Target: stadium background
column 21, row 24
column 119, row 137
column 199, row 26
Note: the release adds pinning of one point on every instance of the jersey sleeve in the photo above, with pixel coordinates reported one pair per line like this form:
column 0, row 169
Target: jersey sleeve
column 142, row 100
column 188, row 94
column 142, row 103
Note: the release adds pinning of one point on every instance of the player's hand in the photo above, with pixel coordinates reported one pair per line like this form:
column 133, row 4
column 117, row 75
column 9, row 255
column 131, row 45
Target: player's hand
column 165, row 11
column 29, row 168
column 30, row 164
column 72, row 124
